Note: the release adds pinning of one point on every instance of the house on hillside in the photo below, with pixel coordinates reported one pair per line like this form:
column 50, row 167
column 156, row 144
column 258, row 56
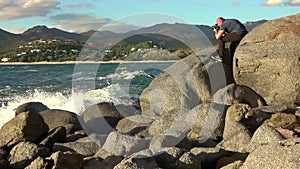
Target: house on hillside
column 5, row 59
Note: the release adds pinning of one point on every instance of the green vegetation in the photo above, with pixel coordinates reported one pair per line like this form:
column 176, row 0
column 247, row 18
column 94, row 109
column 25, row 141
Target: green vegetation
column 55, row 50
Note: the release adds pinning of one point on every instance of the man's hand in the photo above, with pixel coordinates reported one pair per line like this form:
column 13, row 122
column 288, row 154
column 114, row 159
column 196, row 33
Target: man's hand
column 215, row 30
column 220, row 34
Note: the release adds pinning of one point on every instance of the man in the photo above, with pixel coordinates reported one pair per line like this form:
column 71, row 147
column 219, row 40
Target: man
column 228, row 30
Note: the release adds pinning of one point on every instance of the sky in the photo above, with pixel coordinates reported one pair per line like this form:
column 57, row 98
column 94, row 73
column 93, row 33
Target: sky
column 16, row 16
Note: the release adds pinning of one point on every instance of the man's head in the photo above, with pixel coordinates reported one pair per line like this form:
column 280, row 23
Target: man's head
column 219, row 21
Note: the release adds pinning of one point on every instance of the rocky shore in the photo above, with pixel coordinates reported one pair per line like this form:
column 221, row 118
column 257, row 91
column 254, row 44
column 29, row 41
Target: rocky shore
column 197, row 114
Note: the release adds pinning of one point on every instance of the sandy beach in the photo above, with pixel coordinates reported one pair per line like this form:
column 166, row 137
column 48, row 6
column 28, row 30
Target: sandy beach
column 82, row 62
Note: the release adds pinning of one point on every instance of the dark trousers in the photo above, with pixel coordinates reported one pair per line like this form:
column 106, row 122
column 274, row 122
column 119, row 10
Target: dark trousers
column 235, row 39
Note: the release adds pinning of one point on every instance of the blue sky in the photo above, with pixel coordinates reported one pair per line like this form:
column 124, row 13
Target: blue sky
column 83, row 15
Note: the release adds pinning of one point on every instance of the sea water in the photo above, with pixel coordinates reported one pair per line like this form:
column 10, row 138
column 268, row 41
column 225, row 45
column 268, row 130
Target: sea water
column 73, row 87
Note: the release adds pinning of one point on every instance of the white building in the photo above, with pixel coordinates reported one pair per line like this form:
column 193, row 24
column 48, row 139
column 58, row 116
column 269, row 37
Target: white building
column 5, row 59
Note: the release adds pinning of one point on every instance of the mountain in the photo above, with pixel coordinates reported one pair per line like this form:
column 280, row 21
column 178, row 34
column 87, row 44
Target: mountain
column 176, row 35
column 8, row 39
column 7, row 35
column 251, row 25
column 43, row 32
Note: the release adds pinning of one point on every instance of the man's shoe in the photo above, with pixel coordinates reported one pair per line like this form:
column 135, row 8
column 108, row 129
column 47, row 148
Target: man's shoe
column 217, row 58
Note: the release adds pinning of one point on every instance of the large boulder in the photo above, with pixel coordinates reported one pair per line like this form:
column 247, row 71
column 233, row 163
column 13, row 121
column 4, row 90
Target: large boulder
column 55, row 135
column 234, row 93
column 267, row 60
column 101, row 118
column 24, row 127
column 124, row 145
column 24, row 153
column 283, row 154
column 84, row 146
column 185, row 85
column 206, row 122
column 32, row 107
column 264, row 135
column 55, row 118
column 236, row 135
column 133, row 124
column 66, row 160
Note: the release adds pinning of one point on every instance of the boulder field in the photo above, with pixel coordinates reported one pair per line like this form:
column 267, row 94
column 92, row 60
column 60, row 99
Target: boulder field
column 197, row 114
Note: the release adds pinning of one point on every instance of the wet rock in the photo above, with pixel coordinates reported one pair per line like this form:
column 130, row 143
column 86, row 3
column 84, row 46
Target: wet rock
column 32, row 107
column 55, row 118
column 24, row 127
column 100, row 118
column 24, row 153
column 55, row 135
column 66, row 160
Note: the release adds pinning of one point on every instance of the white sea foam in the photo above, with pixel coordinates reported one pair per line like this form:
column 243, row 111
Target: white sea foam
column 76, row 102
column 124, row 74
column 52, row 100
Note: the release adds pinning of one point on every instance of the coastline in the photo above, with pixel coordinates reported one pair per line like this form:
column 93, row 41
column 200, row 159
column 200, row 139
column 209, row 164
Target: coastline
column 83, row 62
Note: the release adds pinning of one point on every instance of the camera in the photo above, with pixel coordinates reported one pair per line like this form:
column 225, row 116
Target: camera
column 215, row 26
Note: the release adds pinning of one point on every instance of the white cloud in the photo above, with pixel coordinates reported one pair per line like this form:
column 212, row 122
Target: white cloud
column 16, row 30
column 272, row 3
column 15, row 9
column 119, row 27
column 80, row 5
column 77, row 22
column 293, row 3
column 82, row 22
column 281, row 2
column 4, row 4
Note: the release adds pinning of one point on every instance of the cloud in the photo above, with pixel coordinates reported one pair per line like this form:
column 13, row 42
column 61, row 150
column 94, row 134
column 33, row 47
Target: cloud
column 16, row 30
column 200, row 4
column 272, row 3
column 80, row 5
column 293, row 3
column 119, row 27
column 78, row 22
column 83, row 22
column 15, row 9
column 237, row 3
column 281, row 2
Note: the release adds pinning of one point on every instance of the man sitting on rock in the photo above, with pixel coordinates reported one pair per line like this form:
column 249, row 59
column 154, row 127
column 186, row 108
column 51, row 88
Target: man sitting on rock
column 228, row 30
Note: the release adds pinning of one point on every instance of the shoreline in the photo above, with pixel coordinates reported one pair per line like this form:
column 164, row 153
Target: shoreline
column 83, row 62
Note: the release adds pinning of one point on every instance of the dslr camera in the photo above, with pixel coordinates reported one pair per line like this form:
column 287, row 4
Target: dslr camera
column 215, row 26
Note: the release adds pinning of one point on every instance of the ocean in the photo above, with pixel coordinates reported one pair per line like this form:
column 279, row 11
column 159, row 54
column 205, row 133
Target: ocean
column 73, row 87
